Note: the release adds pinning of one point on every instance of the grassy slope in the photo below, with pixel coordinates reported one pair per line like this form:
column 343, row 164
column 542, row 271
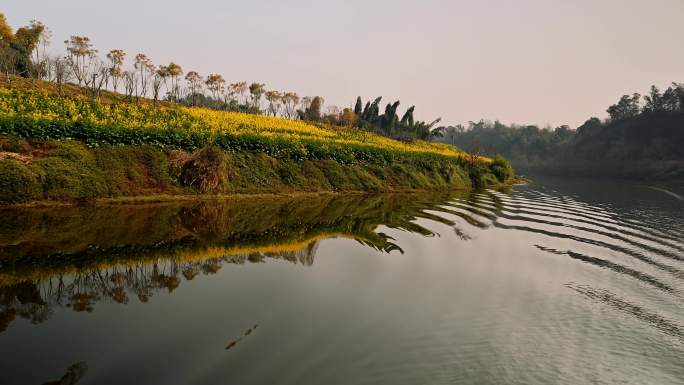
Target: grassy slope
column 69, row 148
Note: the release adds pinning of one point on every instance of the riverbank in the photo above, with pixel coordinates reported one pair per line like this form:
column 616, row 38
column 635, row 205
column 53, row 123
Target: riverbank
column 40, row 173
column 57, row 146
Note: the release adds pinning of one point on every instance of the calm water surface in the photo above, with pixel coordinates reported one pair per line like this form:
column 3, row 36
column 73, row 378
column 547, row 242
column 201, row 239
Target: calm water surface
column 574, row 282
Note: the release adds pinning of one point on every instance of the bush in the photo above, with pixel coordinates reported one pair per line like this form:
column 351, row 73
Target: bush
column 131, row 170
column 18, row 183
column 63, row 178
column 481, row 175
column 501, row 168
column 207, row 171
column 13, row 144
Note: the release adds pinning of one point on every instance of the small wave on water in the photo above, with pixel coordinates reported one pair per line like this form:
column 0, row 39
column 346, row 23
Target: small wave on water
column 649, row 251
column 547, row 283
column 668, row 192
column 604, row 296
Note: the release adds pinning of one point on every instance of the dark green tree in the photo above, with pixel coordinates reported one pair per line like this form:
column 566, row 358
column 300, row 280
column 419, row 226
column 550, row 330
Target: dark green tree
column 425, row 131
column 372, row 112
column 358, row 108
column 654, row 101
column 627, row 107
column 389, row 120
column 407, row 119
column 591, row 126
column 671, row 97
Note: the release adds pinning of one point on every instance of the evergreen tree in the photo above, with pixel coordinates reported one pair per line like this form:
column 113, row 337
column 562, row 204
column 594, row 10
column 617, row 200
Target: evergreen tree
column 358, row 107
column 407, row 119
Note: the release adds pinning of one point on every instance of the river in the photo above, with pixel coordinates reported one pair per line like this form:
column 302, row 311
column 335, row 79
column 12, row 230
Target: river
column 553, row 282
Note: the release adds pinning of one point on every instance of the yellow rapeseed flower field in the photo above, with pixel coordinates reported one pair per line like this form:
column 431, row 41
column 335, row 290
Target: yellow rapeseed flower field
column 41, row 114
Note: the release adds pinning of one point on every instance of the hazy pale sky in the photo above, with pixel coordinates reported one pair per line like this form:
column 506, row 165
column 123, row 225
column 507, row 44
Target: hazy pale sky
column 525, row 61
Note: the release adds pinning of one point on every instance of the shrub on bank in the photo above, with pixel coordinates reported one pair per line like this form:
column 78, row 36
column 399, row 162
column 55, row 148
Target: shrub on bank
column 18, row 183
column 501, row 168
column 69, row 170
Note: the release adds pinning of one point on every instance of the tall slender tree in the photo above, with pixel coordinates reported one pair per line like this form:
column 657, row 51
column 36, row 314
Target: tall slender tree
column 358, row 107
column 145, row 70
column 290, row 102
column 81, row 55
column 194, row 84
column 174, row 72
column 116, row 59
column 215, row 84
column 407, row 119
column 257, row 90
column 274, row 99
column 40, row 57
column 158, row 79
column 239, row 89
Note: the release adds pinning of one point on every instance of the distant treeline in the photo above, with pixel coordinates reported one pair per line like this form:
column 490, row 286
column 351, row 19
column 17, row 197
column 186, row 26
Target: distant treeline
column 25, row 53
column 643, row 136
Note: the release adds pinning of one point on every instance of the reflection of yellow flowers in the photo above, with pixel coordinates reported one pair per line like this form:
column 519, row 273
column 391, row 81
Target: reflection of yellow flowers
column 270, row 249
column 200, row 254
column 123, row 118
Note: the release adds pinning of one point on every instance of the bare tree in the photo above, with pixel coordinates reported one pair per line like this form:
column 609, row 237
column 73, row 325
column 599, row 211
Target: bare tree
column 130, row 82
column 40, row 57
column 174, row 72
column 229, row 95
column 61, row 71
column 81, row 54
column 239, row 89
column 163, row 73
column 215, row 83
column 158, row 79
column 100, row 77
column 306, row 102
column 116, row 58
column 274, row 99
column 8, row 62
column 194, row 84
column 290, row 102
column 333, row 110
column 145, row 69
column 257, row 90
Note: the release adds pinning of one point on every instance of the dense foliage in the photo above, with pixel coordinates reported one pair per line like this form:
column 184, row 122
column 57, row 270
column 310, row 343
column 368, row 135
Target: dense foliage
column 648, row 133
column 16, row 48
column 389, row 124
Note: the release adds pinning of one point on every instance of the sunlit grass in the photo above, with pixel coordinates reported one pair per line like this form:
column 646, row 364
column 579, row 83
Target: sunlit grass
column 41, row 113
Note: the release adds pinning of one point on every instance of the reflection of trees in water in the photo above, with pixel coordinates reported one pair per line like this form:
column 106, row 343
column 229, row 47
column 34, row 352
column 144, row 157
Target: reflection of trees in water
column 35, row 300
column 87, row 230
column 22, row 300
column 80, row 256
